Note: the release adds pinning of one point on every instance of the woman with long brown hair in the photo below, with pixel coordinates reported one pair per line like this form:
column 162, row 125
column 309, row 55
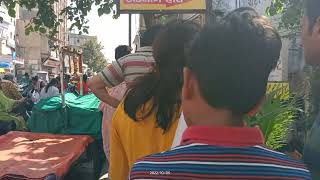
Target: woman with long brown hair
column 146, row 121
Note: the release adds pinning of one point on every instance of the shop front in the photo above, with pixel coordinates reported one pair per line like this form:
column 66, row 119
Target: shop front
column 6, row 64
column 51, row 65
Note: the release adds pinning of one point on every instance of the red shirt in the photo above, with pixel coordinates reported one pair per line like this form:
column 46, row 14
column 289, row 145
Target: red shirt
column 223, row 136
column 220, row 153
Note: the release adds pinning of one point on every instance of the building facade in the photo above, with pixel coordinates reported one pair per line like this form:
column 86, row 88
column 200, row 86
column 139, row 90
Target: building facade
column 36, row 49
column 78, row 41
column 7, row 41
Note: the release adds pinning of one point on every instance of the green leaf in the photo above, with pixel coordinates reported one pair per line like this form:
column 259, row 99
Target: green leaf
column 47, row 18
column 42, row 30
column 12, row 12
column 100, row 11
column 275, row 118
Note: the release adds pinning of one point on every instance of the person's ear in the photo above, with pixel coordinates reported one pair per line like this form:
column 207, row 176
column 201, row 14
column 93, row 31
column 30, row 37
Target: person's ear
column 187, row 90
column 257, row 108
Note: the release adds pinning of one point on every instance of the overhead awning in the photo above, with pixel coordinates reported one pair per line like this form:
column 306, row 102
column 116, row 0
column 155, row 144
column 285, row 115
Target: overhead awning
column 5, row 65
column 6, row 61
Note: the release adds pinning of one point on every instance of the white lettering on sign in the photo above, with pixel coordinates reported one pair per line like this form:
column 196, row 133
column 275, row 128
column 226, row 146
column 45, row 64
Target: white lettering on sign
column 254, row 3
column 224, row 5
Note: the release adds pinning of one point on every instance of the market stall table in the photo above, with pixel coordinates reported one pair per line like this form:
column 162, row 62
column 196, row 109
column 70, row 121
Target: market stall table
column 80, row 116
column 25, row 155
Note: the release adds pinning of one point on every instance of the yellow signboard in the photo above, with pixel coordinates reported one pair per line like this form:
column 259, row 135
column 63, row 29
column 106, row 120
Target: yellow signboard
column 162, row 5
column 280, row 89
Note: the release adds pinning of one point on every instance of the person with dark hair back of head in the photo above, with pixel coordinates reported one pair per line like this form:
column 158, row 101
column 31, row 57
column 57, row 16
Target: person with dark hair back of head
column 122, row 51
column 125, row 69
column 50, row 90
column 225, row 79
column 311, row 43
column 146, row 121
column 36, row 83
column 26, row 79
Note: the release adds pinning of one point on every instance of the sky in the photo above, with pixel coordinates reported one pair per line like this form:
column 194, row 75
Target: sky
column 111, row 32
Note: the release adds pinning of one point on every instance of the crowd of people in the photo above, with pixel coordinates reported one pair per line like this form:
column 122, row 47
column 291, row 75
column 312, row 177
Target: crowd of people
column 175, row 108
column 18, row 98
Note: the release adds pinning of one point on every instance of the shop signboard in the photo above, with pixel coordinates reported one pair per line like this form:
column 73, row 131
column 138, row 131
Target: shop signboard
column 176, row 6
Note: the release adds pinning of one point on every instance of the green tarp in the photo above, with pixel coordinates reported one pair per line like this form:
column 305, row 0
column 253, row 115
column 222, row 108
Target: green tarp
column 80, row 117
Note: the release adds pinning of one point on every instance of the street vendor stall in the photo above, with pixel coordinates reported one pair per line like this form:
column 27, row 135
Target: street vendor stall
column 79, row 116
column 25, row 155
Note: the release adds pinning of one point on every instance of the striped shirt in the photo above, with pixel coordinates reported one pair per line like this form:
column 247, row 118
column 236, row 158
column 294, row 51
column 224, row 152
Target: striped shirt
column 220, row 153
column 128, row 68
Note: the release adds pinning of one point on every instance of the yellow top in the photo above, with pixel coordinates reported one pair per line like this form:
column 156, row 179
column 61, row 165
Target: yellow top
column 132, row 140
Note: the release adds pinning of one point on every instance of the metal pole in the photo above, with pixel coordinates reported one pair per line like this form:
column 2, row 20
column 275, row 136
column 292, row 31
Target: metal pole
column 130, row 29
column 62, row 56
column 80, row 74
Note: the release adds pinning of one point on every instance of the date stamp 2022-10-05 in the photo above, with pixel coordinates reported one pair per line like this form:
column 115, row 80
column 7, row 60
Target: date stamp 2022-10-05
column 160, row 173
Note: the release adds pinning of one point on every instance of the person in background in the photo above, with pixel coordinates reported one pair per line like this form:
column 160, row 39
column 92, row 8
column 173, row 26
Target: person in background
column 42, row 85
column 36, row 83
column 122, row 51
column 311, row 43
column 85, row 87
column 26, row 79
column 125, row 69
column 66, row 81
column 10, row 89
column 116, row 92
column 50, row 90
column 146, row 121
column 219, row 90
